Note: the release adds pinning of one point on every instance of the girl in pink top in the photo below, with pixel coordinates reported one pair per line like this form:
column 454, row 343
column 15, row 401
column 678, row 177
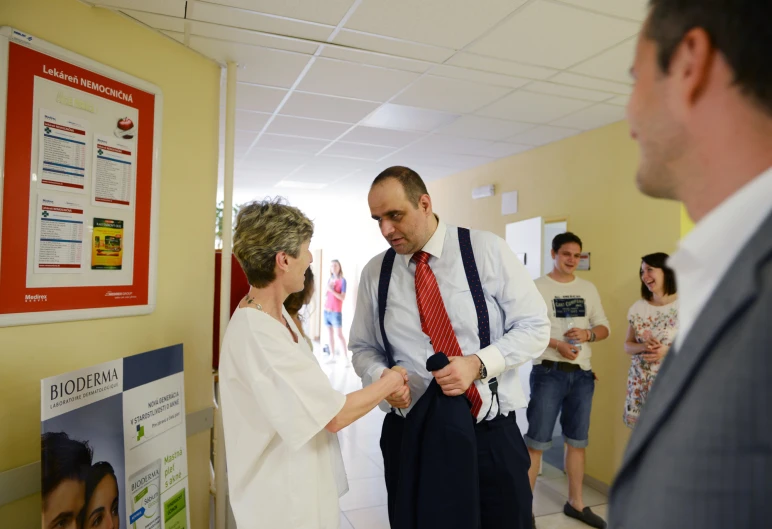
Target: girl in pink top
column 333, row 308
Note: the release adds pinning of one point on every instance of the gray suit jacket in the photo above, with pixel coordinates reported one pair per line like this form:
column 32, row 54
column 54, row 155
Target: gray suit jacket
column 701, row 453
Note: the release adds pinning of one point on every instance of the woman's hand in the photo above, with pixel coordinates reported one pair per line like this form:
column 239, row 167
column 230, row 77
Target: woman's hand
column 655, row 353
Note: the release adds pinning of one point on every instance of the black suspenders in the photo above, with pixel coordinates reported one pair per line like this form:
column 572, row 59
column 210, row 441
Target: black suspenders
column 475, row 286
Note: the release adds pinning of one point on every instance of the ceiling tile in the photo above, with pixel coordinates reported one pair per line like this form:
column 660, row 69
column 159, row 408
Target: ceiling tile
column 256, row 65
column 502, row 149
column 307, row 128
column 399, row 48
column 613, row 64
column 258, row 98
column 622, row 101
column 345, row 79
column 291, row 144
column 593, row 117
column 541, row 87
column 477, row 76
column 327, row 107
column 448, row 23
column 375, row 59
column 252, row 20
column 543, row 135
column 327, row 12
column 378, row 136
column 326, row 169
column 449, row 95
column 533, row 108
column 298, row 185
column 633, row 9
column 160, row 22
column 391, row 116
column 437, row 144
column 244, row 180
column 457, row 162
column 173, row 8
column 554, row 35
column 489, row 64
column 484, row 128
column 592, row 83
column 254, row 121
column 271, row 162
column 253, row 38
column 357, row 150
column 244, row 139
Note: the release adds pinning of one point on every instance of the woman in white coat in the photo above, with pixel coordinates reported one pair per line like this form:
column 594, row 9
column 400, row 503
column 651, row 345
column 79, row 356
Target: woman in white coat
column 280, row 413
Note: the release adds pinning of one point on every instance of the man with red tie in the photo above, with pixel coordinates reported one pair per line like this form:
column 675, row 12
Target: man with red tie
column 463, row 293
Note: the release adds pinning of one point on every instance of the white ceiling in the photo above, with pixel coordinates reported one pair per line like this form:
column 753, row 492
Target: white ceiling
column 333, row 91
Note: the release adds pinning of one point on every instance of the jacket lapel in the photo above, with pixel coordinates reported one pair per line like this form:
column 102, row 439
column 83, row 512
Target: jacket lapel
column 735, row 291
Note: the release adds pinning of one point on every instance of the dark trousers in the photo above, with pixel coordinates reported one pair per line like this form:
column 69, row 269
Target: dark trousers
column 503, row 462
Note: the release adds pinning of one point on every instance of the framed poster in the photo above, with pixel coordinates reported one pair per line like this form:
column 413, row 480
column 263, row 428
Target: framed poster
column 79, row 147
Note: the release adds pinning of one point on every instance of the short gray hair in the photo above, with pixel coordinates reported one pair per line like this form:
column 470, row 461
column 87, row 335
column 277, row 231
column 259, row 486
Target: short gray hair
column 263, row 229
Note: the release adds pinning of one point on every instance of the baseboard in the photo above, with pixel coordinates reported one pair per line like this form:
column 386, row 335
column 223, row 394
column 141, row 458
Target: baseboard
column 597, row 484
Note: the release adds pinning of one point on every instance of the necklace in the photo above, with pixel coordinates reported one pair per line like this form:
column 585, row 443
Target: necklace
column 258, row 306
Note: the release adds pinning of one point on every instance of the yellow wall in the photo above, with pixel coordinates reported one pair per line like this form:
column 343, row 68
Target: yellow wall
column 183, row 314
column 589, row 181
column 686, row 222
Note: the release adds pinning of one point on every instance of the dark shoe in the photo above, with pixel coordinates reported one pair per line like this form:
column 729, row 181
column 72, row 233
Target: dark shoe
column 586, row 516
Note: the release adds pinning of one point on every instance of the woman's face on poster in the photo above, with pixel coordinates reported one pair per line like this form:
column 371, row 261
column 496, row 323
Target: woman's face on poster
column 102, row 508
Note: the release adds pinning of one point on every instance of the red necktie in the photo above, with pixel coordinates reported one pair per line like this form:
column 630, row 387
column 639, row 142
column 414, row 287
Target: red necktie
column 435, row 322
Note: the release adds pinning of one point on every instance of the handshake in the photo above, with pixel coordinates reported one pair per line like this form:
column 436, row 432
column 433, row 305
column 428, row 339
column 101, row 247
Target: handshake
column 454, row 379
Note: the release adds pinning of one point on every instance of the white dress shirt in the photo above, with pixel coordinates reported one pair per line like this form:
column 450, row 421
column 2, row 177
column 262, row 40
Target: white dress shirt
column 519, row 325
column 284, row 468
column 705, row 254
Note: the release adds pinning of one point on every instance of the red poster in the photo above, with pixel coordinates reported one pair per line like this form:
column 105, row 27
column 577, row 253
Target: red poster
column 49, row 254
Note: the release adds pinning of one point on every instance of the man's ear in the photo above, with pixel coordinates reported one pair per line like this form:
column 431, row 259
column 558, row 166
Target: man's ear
column 425, row 203
column 691, row 67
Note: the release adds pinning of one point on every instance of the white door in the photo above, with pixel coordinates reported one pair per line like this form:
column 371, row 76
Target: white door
column 551, row 229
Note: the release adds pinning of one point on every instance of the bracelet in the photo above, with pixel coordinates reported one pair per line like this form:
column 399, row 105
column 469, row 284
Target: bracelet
column 592, row 335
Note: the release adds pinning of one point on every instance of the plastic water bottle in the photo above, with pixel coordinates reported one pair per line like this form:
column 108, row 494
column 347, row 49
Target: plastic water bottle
column 570, row 324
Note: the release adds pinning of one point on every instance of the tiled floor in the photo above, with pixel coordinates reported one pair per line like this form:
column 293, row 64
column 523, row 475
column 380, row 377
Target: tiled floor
column 364, row 506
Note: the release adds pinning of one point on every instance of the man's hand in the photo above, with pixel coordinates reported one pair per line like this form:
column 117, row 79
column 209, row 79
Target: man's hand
column 567, row 350
column 401, row 397
column 656, row 353
column 456, row 377
column 578, row 335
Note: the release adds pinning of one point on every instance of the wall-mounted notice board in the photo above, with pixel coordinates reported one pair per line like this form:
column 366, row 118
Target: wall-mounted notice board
column 79, row 149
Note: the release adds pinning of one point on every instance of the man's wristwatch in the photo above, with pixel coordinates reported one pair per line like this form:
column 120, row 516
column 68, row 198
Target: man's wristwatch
column 592, row 335
column 483, row 370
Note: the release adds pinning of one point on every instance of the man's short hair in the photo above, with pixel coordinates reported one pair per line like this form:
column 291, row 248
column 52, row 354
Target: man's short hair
column 412, row 184
column 739, row 29
column 565, row 238
column 63, row 458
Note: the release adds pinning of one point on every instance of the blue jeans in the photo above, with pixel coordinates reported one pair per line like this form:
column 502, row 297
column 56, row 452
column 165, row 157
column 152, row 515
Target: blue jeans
column 554, row 391
column 333, row 319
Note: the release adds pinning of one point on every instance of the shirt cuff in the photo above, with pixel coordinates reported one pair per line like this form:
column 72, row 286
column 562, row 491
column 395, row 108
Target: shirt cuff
column 375, row 373
column 493, row 360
